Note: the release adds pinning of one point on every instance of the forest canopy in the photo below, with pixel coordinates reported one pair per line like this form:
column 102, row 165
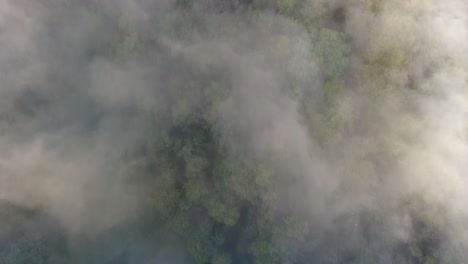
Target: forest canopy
column 233, row 131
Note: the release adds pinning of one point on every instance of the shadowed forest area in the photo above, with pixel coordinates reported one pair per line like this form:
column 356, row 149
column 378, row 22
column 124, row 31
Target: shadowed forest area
column 233, row 131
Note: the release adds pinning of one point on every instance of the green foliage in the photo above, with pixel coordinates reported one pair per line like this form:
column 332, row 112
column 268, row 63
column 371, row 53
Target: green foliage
column 386, row 61
column 226, row 200
column 331, row 49
column 208, row 186
column 195, row 190
column 222, row 212
column 264, row 251
column 221, row 259
column 263, row 177
column 287, row 7
column 375, row 6
column 200, row 250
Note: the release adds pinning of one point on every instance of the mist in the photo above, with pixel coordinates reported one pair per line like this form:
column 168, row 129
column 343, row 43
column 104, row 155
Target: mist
column 289, row 131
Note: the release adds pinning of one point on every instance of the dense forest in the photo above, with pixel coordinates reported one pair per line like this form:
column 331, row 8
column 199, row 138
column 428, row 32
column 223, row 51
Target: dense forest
column 233, row 131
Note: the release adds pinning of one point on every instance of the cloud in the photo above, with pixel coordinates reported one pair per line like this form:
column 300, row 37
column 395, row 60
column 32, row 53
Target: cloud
column 82, row 85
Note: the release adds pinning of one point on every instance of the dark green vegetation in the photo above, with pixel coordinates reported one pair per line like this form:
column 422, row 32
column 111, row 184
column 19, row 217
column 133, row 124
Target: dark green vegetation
column 29, row 236
column 275, row 131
